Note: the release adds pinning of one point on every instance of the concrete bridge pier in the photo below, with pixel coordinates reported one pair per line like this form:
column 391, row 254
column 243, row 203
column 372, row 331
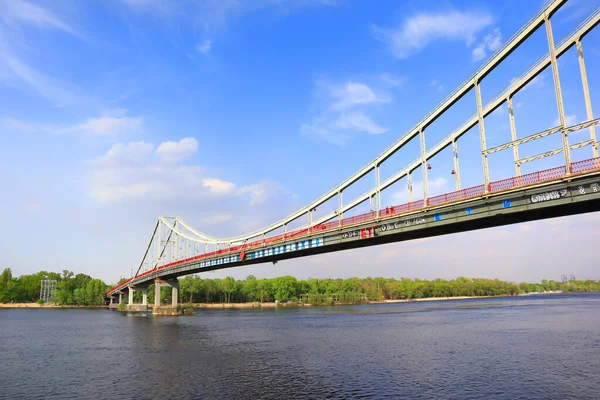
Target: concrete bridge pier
column 131, row 306
column 112, row 304
column 159, row 309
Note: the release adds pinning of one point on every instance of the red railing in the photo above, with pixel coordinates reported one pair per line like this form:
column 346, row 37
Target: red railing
column 475, row 191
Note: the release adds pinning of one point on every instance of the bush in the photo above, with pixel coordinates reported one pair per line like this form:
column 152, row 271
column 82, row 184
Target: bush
column 186, row 310
column 41, row 302
column 122, row 307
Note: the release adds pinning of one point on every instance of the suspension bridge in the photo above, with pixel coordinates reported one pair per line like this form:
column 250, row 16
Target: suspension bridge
column 573, row 187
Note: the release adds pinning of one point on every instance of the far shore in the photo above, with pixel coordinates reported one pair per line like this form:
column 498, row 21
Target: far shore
column 270, row 304
column 36, row 305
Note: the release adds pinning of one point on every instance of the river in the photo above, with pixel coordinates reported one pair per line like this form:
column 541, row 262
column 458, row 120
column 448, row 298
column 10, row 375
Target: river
column 534, row 347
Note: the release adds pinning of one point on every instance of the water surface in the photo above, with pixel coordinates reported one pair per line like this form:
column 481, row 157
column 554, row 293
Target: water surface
column 533, row 347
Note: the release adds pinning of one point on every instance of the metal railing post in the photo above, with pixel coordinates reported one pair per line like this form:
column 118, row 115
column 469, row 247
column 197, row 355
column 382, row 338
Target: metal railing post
column 558, row 92
column 586, row 95
column 513, row 135
column 484, row 156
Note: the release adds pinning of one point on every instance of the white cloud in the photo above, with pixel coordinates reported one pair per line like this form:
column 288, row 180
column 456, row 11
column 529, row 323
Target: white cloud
column 261, row 192
column 359, row 122
column 177, row 151
column 344, row 112
column 138, row 170
column 418, row 31
column 17, row 11
column 490, row 42
column 134, row 153
column 569, row 120
column 218, row 186
column 352, row 94
column 110, row 124
column 320, row 129
column 204, row 47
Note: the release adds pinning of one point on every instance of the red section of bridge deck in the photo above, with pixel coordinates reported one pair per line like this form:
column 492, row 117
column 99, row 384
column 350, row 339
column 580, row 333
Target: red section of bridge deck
column 533, row 178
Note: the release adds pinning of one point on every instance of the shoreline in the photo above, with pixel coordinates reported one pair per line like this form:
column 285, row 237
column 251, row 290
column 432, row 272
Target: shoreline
column 36, row 305
column 220, row 306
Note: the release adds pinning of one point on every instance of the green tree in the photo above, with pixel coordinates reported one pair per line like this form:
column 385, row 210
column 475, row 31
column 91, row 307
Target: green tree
column 228, row 287
column 285, row 288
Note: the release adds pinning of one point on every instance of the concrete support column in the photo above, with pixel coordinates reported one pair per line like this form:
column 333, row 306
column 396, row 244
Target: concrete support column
column 145, row 296
column 130, row 295
column 174, row 293
column 120, row 297
column 111, row 299
column 156, row 293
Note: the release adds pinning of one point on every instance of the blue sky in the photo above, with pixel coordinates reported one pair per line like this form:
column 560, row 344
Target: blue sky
column 233, row 113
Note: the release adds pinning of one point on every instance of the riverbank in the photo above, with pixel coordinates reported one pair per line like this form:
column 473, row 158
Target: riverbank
column 36, row 305
column 273, row 304
column 292, row 304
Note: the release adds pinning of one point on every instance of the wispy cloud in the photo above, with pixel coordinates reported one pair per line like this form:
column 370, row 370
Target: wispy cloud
column 109, row 124
column 392, row 80
column 46, row 86
column 490, row 42
column 344, row 112
column 204, row 47
column 212, row 16
column 418, row 31
column 19, row 125
column 14, row 12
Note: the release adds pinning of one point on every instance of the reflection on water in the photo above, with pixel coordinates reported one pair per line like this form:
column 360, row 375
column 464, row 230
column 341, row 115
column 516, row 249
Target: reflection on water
column 523, row 347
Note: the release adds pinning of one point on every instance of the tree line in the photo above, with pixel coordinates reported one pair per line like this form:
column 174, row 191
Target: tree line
column 82, row 289
column 194, row 289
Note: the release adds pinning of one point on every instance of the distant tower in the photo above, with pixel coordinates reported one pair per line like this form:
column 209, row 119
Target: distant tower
column 564, row 278
column 47, row 290
column 572, row 277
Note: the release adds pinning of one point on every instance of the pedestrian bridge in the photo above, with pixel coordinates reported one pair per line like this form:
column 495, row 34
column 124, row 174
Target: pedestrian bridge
column 176, row 249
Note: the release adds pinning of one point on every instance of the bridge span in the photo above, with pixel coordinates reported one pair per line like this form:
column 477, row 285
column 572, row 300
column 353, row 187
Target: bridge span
column 176, row 249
